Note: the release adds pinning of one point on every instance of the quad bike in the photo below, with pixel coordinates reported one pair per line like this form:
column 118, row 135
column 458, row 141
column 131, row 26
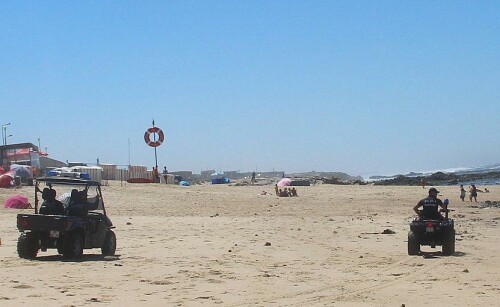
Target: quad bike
column 432, row 232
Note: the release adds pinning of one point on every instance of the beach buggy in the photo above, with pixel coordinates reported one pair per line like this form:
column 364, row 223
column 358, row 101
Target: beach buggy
column 432, row 232
column 74, row 221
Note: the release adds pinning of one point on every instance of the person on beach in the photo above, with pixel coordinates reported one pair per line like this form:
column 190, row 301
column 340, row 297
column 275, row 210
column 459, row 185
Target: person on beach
column 276, row 189
column 165, row 174
column 430, row 206
column 462, row 192
column 294, row 192
column 253, row 178
column 155, row 174
column 422, row 183
column 473, row 193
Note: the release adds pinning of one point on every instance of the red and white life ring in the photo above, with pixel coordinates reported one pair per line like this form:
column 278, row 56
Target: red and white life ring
column 161, row 137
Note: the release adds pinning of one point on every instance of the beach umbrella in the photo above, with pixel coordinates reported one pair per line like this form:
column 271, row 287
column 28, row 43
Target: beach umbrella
column 17, row 202
column 285, row 182
column 22, row 171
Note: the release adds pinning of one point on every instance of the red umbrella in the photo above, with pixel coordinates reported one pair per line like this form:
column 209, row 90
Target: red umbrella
column 285, row 182
column 17, row 202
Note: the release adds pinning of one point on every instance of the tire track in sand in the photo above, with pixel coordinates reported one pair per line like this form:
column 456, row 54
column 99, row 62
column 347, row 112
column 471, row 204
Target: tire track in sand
column 303, row 298
column 410, row 271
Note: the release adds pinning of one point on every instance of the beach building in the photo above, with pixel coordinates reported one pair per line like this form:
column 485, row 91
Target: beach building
column 71, row 164
column 205, row 175
column 47, row 164
column 186, row 175
column 122, row 174
column 108, row 171
column 138, row 171
column 231, row 174
column 95, row 172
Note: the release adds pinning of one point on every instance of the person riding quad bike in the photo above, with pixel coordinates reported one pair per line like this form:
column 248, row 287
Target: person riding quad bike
column 430, row 227
column 430, row 206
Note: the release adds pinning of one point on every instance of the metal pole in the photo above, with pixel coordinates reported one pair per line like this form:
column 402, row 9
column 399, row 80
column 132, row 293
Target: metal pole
column 156, row 160
column 128, row 151
column 154, row 140
column 4, row 128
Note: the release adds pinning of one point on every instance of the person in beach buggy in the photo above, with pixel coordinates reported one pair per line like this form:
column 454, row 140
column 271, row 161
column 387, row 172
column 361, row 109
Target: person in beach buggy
column 51, row 206
column 430, row 206
column 462, row 192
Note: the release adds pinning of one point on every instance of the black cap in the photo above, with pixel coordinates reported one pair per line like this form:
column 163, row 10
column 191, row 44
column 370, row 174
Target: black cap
column 433, row 190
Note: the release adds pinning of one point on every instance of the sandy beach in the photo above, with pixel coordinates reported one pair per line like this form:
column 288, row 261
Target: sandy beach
column 206, row 245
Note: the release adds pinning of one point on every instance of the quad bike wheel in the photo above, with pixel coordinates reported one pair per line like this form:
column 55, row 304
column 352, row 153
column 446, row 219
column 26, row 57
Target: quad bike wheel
column 73, row 246
column 413, row 244
column 27, row 246
column 109, row 246
column 449, row 243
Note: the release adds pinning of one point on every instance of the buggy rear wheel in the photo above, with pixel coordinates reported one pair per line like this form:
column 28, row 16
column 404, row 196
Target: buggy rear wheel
column 449, row 243
column 413, row 244
column 109, row 246
column 27, row 246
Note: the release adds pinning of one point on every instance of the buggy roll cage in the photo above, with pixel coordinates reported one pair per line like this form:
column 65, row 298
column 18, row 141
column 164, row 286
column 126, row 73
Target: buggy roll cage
column 50, row 181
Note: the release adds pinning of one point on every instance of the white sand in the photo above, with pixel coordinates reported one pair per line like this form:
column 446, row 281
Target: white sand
column 326, row 249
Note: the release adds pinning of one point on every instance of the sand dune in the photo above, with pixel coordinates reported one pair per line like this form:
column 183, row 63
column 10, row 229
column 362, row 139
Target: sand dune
column 206, row 245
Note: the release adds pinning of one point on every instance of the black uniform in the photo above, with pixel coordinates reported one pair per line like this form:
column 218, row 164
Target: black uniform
column 52, row 207
column 430, row 207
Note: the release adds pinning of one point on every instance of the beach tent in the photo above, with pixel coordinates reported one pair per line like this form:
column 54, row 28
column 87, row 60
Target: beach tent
column 184, row 183
column 285, row 182
column 17, row 202
column 6, row 179
column 217, row 178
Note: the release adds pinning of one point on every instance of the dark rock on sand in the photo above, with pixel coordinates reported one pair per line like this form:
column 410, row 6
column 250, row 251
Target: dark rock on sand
column 388, row 232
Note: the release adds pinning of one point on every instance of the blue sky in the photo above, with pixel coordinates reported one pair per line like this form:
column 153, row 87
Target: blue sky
column 354, row 86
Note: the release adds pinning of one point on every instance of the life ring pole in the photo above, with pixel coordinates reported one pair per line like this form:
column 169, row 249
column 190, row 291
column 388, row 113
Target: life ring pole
column 154, row 139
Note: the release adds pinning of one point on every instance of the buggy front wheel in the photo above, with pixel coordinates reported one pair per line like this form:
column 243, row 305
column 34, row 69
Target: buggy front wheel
column 109, row 246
